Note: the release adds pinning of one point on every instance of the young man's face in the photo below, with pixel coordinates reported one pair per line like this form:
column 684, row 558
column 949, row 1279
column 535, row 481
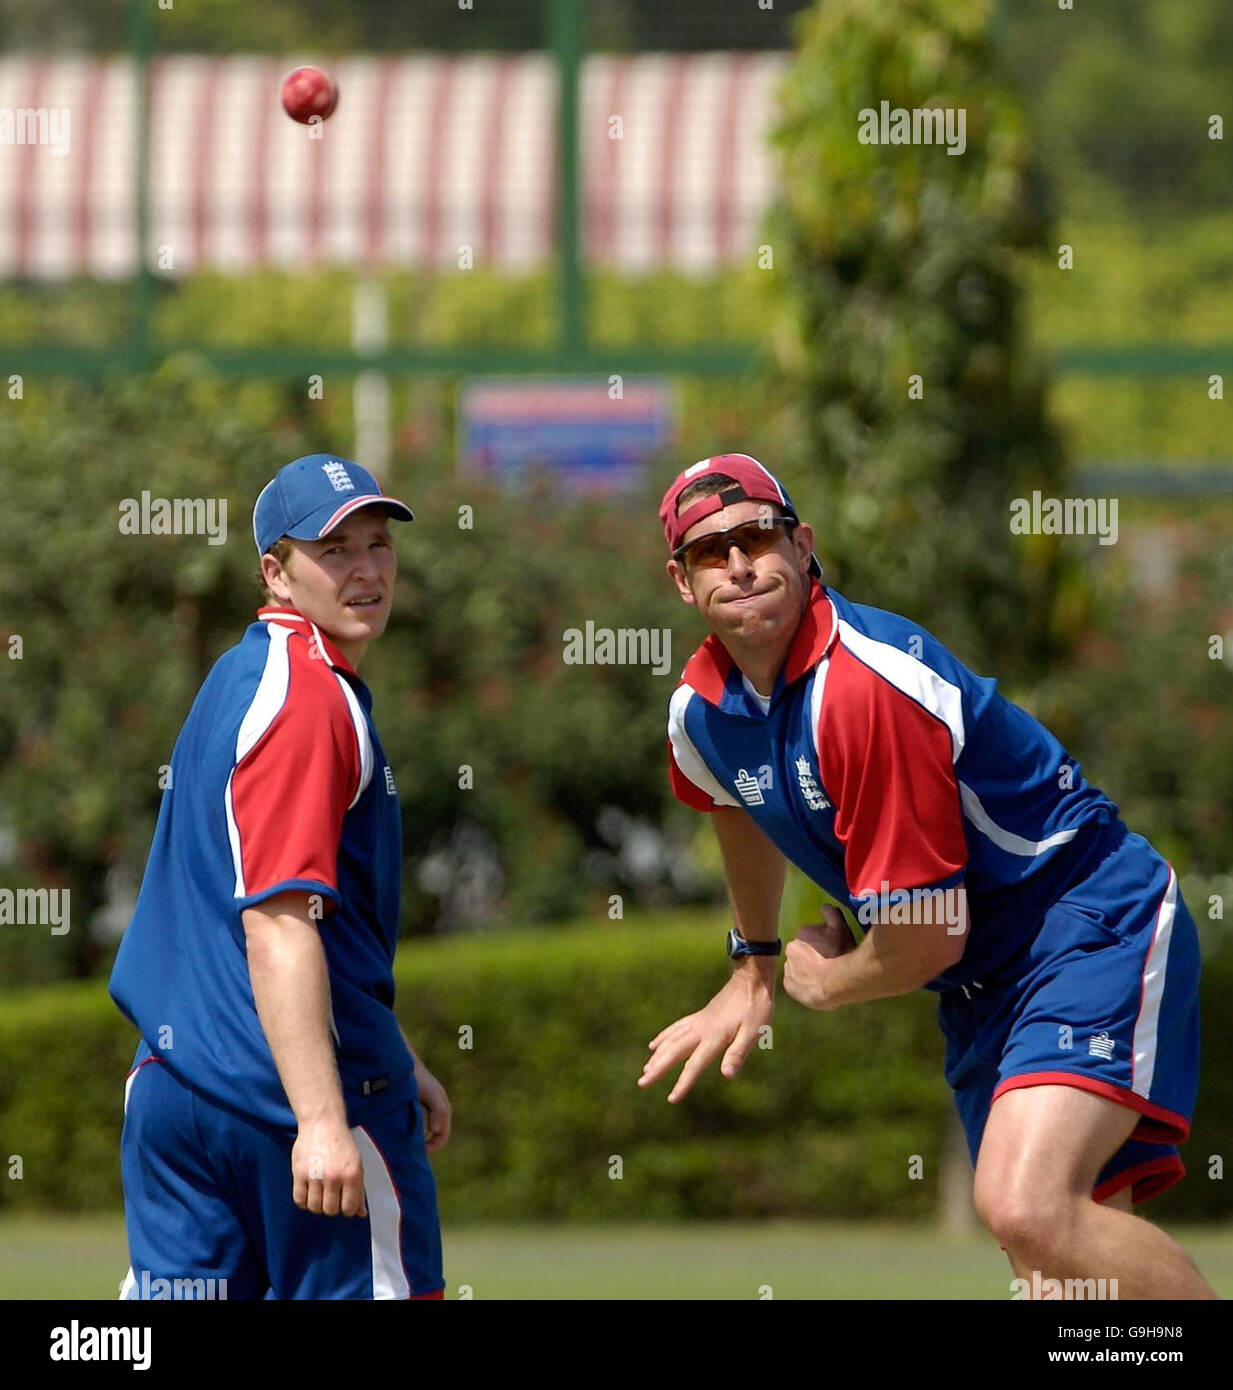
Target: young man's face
column 747, row 597
column 343, row 582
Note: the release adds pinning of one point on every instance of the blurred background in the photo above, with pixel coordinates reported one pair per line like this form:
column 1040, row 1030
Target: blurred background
column 539, row 259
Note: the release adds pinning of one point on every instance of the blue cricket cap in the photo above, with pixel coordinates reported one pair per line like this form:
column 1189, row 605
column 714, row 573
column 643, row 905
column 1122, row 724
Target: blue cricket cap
column 306, row 499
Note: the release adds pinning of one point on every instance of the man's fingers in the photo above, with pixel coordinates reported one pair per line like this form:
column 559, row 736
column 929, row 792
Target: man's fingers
column 668, row 1055
column 436, row 1129
column 353, row 1203
column 830, row 938
column 734, row 1058
column 703, row 1055
column 680, row 1025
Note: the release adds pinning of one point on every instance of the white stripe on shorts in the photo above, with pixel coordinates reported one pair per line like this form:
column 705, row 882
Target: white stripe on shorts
column 1154, row 968
column 389, row 1279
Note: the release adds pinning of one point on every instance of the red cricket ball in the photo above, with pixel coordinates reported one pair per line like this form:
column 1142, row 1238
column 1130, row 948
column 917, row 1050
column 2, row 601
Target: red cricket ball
column 309, row 92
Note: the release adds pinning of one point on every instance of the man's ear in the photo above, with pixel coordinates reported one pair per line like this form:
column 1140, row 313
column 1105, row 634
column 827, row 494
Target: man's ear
column 802, row 536
column 274, row 575
column 676, row 572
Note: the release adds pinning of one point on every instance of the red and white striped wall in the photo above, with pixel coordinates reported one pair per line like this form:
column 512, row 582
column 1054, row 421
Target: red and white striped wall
column 423, row 156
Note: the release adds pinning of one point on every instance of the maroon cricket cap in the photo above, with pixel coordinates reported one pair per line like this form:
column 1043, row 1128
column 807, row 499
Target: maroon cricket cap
column 751, row 482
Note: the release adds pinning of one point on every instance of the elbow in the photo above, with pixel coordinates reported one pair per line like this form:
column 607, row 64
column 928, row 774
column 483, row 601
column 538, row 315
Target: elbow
column 946, row 950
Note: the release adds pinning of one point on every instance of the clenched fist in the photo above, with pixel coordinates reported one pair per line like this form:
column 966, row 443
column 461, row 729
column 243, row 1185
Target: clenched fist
column 804, row 973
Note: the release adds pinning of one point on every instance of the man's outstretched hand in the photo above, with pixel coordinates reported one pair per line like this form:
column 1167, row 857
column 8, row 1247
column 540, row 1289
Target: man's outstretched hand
column 729, row 1024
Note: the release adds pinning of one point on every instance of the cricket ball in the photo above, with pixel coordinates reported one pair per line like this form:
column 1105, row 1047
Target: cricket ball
column 309, row 92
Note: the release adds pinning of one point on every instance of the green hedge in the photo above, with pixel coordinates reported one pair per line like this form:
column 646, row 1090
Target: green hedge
column 823, row 1124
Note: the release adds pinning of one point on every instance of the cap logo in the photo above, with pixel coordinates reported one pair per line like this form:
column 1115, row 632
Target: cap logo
column 337, row 475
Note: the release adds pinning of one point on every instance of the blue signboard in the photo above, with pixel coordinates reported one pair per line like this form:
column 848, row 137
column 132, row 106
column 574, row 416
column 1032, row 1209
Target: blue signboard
column 592, row 435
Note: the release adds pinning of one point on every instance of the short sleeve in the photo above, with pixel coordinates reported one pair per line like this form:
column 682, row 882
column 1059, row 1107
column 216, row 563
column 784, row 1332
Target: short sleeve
column 888, row 765
column 290, row 791
column 691, row 780
column 685, row 790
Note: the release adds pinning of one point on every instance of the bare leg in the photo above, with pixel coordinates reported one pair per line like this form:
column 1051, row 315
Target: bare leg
column 1042, row 1150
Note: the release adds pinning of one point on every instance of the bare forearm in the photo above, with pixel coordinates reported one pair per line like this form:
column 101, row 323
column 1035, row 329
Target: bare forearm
column 873, row 973
column 292, row 993
column 755, row 871
column 897, row 957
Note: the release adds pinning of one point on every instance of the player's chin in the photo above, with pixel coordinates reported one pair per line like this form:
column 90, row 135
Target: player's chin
column 361, row 622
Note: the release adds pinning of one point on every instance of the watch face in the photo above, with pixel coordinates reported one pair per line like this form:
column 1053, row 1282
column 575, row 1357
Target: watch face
column 734, row 942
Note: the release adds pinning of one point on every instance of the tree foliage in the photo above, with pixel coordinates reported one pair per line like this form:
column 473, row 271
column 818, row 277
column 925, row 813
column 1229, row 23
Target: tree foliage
column 900, row 282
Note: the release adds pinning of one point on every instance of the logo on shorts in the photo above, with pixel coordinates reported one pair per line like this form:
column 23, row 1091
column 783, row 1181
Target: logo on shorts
column 751, row 792
column 1100, row 1045
column 389, row 781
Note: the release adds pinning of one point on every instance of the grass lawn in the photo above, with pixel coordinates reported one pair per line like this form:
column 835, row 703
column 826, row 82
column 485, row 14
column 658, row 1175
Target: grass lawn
column 63, row 1257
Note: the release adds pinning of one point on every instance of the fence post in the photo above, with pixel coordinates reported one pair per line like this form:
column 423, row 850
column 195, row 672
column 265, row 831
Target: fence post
column 565, row 40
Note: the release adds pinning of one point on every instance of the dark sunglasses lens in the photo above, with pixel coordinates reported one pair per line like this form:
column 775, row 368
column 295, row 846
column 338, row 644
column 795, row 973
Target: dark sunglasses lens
column 756, row 540
column 706, row 554
column 711, row 552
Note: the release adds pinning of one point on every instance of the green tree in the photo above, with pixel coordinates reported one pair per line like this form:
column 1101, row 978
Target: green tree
column 566, row 801
column 899, row 267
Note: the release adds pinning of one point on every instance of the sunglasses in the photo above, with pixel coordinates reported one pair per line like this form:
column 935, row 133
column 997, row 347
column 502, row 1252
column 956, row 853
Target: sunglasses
column 752, row 538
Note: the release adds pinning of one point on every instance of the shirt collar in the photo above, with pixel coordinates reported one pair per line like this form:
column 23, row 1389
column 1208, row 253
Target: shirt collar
column 814, row 637
column 711, row 669
column 286, row 616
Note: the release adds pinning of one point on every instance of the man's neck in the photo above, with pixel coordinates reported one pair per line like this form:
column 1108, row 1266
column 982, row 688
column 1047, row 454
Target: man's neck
column 353, row 651
column 760, row 662
column 759, row 668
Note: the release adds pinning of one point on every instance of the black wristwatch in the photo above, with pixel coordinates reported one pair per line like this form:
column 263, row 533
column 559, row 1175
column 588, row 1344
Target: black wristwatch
column 738, row 946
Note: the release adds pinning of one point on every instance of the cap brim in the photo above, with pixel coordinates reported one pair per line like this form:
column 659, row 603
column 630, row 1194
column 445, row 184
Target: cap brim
column 326, row 519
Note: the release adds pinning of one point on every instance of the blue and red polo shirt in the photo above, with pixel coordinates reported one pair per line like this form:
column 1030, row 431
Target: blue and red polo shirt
column 881, row 765
column 278, row 782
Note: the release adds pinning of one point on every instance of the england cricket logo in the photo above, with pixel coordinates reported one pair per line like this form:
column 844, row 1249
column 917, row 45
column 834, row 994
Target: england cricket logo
column 809, row 788
column 337, row 475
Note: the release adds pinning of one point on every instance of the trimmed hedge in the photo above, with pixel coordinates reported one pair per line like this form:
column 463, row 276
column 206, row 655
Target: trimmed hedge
column 823, row 1124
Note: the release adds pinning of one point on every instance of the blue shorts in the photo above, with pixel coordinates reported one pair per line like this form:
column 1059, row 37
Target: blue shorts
column 208, row 1198
column 1105, row 998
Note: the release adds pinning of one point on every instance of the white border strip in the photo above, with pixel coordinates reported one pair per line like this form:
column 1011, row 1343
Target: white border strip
column 1006, row 839
column 688, row 759
column 389, row 1278
column 1155, row 967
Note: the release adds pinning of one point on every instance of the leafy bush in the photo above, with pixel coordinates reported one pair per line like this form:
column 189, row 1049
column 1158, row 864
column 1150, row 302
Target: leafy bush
column 822, row 1124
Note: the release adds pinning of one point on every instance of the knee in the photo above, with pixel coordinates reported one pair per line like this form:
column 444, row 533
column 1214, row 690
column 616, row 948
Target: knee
column 1033, row 1225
